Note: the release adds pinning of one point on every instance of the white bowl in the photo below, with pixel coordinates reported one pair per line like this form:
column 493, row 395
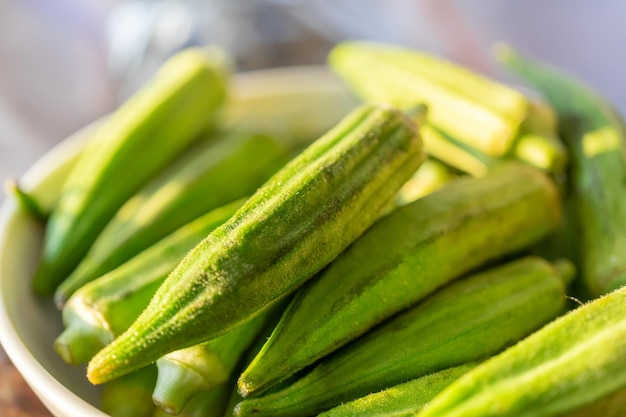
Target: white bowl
column 306, row 100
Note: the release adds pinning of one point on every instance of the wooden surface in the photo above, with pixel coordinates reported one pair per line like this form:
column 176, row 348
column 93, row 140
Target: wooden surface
column 16, row 398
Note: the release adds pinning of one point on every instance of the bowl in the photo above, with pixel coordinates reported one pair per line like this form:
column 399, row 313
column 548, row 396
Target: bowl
column 300, row 102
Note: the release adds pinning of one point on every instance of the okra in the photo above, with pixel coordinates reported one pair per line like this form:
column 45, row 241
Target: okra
column 467, row 321
column 292, row 227
column 573, row 362
column 538, row 141
column 431, row 176
column 455, row 154
column 227, row 168
column 191, row 371
column 25, row 201
column 131, row 395
column 402, row 400
column 594, row 135
column 206, row 404
column 475, row 110
column 136, row 142
column 428, row 243
column 107, row 306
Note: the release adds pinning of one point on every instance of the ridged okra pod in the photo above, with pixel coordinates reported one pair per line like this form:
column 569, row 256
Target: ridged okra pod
column 538, row 141
column 595, row 137
column 430, row 177
column 291, row 228
column 467, row 321
column 402, row 400
column 131, row 395
column 428, row 243
column 136, row 142
column 228, row 167
column 212, row 403
column 473, row 109
column 103, row 309
column 192, row 371
column 570, row 364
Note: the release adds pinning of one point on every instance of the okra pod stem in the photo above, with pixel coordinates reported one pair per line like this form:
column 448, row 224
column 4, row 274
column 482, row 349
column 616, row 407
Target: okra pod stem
column 467, row 321
column 107, row 306
column 427, row 244
column 128, row 149
column 26, row 202
column 291, row 228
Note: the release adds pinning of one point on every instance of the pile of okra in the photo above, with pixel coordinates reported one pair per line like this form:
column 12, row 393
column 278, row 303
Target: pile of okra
column 453, row 246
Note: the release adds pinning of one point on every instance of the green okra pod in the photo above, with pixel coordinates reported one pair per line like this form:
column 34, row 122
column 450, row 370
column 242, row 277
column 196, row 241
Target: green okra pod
column 227, row 168
column 595, row 137
column 402, row 400
column 210, row 403
column 25, row 200
column 137, row 141
column 130, row 395
column 475, row 110
column 107, row 306
column 467, row 321
column 430, row 177
column 572, row 363
column 291, row 228
column 538, row 141
column 188, row 372
column 427, row 243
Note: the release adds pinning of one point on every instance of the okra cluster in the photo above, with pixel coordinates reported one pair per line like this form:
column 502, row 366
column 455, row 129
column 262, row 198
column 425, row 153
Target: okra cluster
column 418, row 258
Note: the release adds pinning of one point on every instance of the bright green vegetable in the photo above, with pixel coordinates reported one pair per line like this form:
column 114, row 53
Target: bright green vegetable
column 538, row 141
column 402, row 400
column 572, row 363
column 404, row 257
column 206, row 404
column 475, row 110
column 230, row 167
column 455, row 154
column 139, row 139
column 292, row 227
column 595, row 136
column 464, row 322
column 131, row 395
column 26, row 202
column 430, row 177
column 107, row 306
column 188, row 372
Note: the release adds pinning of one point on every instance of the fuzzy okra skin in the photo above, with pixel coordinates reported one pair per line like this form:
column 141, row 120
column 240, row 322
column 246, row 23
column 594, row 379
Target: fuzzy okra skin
column 574, row 361
column 595, row 137
column 291, row 228
column 135, row 143
column 402, row 400
column 426, row 244
column 464, row 322
column 479, row 112
column 227, row 168
column 103, row 309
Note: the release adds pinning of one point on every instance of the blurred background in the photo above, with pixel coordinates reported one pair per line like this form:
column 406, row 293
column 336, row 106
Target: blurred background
column 64, row 63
